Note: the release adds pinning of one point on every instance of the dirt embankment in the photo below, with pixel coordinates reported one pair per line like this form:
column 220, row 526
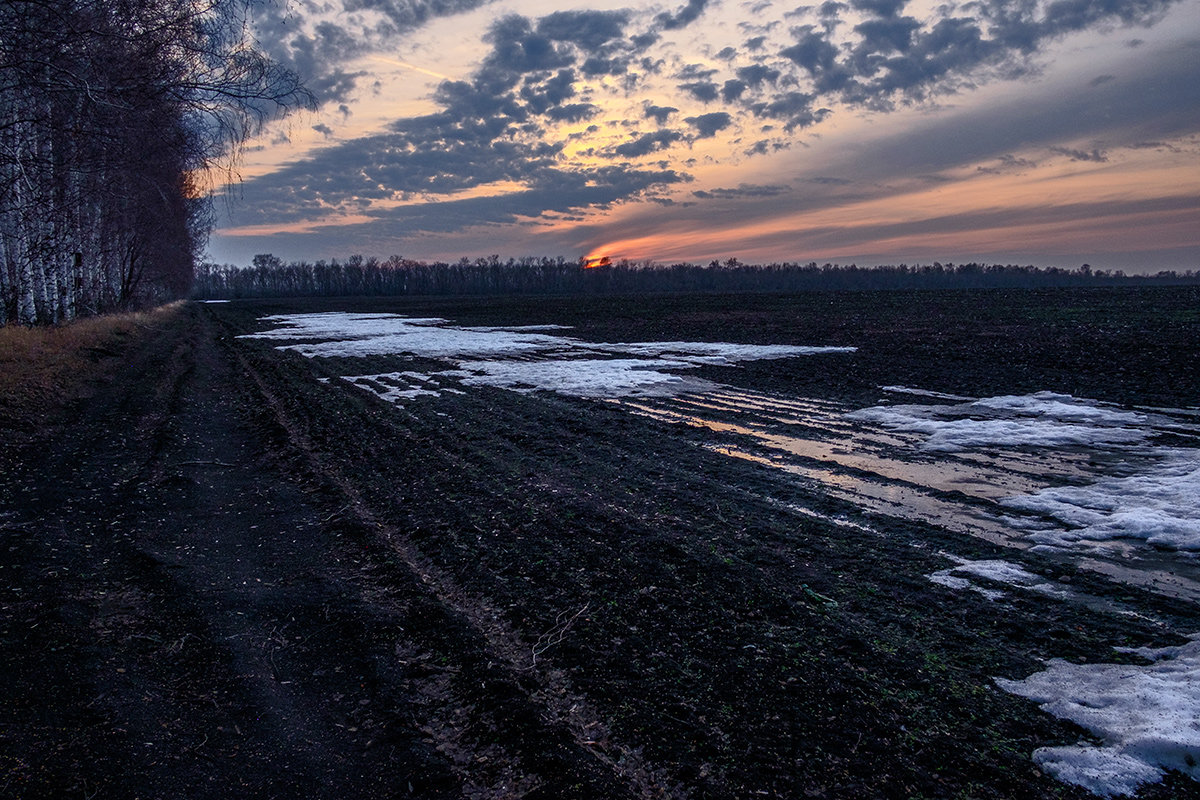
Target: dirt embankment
column 223, row 575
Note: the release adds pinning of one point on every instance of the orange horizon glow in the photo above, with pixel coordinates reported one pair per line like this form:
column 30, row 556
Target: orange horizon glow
column 597, row 259
column 877, row 227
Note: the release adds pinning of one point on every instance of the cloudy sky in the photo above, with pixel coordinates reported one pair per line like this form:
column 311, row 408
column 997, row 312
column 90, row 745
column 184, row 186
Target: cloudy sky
column 868, row 131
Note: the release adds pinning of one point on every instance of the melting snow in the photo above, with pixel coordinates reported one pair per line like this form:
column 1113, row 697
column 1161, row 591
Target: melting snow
column 1148, row 718
column 433, row 342
column 391, row 386
column 717, row 352
column 994, row 570
column 337, row 324
column 1044, row 419
column 519, row 358
column 617, row 377
column 1153, row 500
column 1159, row 507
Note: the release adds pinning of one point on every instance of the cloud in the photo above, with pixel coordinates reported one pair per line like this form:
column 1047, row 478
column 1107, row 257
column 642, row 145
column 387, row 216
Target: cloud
column 796, row 108
column 881, row 8
column 590, row 30
column 743, row 190
column 1081, row 155
column 891, row 56
column 704, row 91
column 696, row 71
column 541, row 94
column 407, row 15
column 708, row 125
column 317, row 43
column 1159, row 100
column 758, row 148
column 683, row 17
column 518, row 48
column 323, row 129
column 831, row 9
column 658, row 113
column 733, row 90
column 814, row 53
column 573, row 112
column 552, row 193
column 599, row 35
column 1087, row 213
column 755, row 75
column 1007, row 164
column 648, row 143
column 1154, row 145
column 880, row 36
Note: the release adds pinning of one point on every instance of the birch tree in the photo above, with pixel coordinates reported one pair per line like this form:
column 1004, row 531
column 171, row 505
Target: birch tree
column 109, row 110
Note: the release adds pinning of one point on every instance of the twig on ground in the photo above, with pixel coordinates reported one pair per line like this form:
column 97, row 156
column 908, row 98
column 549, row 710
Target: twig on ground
column 556, row 634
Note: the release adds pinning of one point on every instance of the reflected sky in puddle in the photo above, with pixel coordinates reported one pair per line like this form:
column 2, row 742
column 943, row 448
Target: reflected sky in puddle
column 1084, row 479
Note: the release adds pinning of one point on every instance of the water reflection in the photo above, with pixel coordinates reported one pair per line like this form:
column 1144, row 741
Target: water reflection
column 989, row 490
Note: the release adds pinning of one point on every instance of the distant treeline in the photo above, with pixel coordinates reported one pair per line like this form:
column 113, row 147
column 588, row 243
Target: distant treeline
column 271, row 277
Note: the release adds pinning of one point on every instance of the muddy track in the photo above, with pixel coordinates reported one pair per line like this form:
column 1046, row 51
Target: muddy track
column 227, row 576
column 201, row 655
column 548, row 742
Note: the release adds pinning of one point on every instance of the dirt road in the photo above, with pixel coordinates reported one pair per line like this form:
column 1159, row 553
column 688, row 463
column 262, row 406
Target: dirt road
column 217, row 581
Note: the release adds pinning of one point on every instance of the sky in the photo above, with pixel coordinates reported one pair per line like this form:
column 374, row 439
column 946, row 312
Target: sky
column 869, row 131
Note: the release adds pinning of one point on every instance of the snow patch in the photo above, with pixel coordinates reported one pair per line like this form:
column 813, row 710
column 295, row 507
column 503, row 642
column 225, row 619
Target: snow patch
column 1060, row 407
column 717, row 352
column 434, row 342
column 391, row 387
column 1159, row 507
column 337, row 324
column 518, row 358
column 1044, row 419
column 519, row 328
column 1147, row 717
column 619, row 377
column 998, row 571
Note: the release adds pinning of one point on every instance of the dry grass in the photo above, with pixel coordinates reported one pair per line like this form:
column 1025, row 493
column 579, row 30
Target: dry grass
column 44, row 368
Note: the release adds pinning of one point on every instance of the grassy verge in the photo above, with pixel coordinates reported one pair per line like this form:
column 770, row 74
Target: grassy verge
column 45, row 369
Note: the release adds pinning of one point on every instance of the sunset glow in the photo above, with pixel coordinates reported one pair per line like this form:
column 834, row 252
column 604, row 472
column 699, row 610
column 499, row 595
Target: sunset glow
column 873, row 132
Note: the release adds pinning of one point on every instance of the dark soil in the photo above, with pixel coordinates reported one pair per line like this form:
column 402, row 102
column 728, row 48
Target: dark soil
column 222, row 577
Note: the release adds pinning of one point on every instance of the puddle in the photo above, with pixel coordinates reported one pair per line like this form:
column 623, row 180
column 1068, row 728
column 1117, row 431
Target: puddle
column 1083, row 479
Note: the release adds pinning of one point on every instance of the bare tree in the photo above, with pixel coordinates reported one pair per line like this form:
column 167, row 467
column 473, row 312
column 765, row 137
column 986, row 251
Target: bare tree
column 110, row 111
